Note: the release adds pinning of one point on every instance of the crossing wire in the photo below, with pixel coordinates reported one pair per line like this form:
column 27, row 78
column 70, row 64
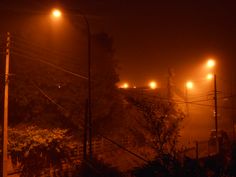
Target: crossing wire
column 193, row 103
column 27, row 43
column 49, row 64
column 67, row 62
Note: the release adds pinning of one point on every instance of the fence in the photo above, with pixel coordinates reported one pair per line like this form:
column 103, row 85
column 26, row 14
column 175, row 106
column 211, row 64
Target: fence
column 200, row 150
column 101, row 148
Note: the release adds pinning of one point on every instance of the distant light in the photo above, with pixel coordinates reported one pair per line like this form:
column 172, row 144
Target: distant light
column 210, row 76
column 124, row 86
column 210, row 63
column 134, row 87
column 153, row 85
column 56, row 13
column 189, row 84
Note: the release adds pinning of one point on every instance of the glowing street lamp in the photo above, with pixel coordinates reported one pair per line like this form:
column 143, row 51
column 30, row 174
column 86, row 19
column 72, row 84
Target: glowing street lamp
column 210, row 63
column 56, row 13
column 189, row 85
column 210, row 76
column 125, row 86
column 153, row 85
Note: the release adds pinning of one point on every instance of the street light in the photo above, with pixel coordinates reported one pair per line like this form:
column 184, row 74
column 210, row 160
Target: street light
column 188, row 85
column 125, row 86
column 209, row 76
column 210, row 63
column 153, row 85
column 56, row 13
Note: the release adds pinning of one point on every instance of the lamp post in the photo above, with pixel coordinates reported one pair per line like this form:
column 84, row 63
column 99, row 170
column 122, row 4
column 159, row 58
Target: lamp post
column 189, row 85
column 216, row 110
column 210, row 64
column 88, row 117
column 152, row 85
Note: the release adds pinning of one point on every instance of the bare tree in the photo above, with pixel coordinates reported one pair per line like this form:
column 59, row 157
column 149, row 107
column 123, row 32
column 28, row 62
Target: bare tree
column 161, row 123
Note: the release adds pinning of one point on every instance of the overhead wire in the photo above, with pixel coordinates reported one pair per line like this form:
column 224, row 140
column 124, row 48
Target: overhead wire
column 45, row 53
column 33, row 51
column 49, row 98
column 49, row 64
column 57, row 52
column 193, row 103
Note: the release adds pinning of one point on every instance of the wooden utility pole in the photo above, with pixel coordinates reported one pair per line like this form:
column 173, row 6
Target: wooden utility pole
column 186, row 100
column 170, row 84
column 85, row 131
column 5, row 118
column 216, row 112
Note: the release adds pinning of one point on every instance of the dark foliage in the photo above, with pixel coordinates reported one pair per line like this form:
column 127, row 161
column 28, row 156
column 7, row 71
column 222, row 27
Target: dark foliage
column 232, row 167
column 161, row 122
column 34, row 151
column 169, row 166
column 96, row 168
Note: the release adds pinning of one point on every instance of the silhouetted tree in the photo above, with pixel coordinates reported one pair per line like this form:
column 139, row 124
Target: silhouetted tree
column 96, row 168
column 161, row 123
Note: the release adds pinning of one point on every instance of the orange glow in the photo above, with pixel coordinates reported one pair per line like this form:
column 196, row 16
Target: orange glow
column 210, row 63
column 189, row 85
column 56, row 13
column 124, row 86
column 209, row 76
column 153, row 85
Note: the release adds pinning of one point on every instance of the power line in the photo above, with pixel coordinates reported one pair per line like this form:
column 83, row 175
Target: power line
column 193, row 103
column 49, row 53
column 46, row 54
column 49, row 98
column 123, row 148
column 28, row 44
column 49, row 64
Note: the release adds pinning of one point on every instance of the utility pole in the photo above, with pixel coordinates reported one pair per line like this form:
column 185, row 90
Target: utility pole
column 5, row 118
column 232, row 110
column 216, row 111
column 85, row 131
column 89, row 92
column 186, row 100
column 170, row 84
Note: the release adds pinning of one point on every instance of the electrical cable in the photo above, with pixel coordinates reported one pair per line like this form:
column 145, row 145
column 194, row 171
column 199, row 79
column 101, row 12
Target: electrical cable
column 50, row 64
column 27, row 43
column 193, row 103
column 49, row 98
column 44, row 53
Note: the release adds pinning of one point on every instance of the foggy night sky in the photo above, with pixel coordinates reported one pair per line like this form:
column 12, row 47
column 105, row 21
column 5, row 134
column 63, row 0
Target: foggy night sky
column 150, row 36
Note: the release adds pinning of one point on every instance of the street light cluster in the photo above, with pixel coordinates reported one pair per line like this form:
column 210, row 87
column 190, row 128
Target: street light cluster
column 210, row 65
column 188, row 85
column 151, row 85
